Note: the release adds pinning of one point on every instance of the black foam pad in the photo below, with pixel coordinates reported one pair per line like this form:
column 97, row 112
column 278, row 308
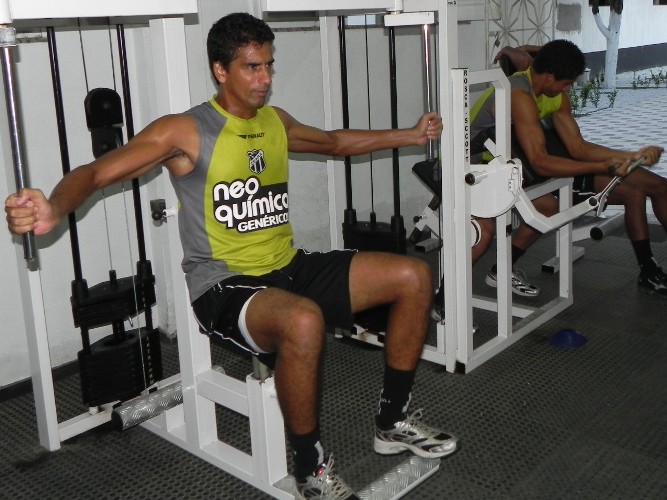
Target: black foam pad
column 103, row 108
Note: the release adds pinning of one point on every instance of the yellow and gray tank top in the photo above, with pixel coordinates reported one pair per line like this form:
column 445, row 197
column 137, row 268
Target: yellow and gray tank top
column 482, row 118
column 234, row 206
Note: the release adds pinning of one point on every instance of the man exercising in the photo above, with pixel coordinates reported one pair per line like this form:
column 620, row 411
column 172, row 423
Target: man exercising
column 227, row 160
column 548, row 141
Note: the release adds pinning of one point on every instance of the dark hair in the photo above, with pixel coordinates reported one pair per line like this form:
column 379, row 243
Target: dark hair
column 561, row 58
column 232, row 32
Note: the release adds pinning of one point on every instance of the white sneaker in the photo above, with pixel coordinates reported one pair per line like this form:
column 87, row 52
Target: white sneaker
column 520, row 285
column 438, row 314
column 324, row 484
column 412, row 434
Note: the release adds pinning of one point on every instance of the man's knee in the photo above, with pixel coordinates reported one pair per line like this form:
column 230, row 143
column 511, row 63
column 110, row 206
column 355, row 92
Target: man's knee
column 631, row 196
column 421, row 276
column 647, row 185
column 547, row 205
column 487, row 231
column 303, row 327
column 305, row 316
column 660, row 185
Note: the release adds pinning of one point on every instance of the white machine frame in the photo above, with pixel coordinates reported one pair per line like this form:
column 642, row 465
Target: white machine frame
column 508, row 332
column 454, row 338
column 192, row 424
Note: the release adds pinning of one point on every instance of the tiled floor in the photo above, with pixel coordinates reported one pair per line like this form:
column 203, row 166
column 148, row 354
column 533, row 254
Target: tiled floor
column 638, row 118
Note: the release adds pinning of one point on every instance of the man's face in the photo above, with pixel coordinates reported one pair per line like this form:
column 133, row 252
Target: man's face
column 246, row 82
column 556, row 87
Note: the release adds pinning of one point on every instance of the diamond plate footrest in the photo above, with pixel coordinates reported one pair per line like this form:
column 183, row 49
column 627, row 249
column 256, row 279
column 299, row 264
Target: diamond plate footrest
column 392, row 485
column 401, row 479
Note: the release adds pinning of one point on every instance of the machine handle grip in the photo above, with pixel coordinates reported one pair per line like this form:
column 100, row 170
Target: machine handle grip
column 7, row 42
column 29, row 246
column 473, row 178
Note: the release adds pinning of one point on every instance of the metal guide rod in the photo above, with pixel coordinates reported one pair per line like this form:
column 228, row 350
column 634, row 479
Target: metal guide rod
column 427, row 79
column 129, row 121
column 393, row 98
column 63, row 146
column 7, row 42
column 346, row 111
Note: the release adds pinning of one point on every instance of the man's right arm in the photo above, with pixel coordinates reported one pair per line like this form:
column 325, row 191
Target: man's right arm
column 29, row 210
column 529, row 133
column 518, row 56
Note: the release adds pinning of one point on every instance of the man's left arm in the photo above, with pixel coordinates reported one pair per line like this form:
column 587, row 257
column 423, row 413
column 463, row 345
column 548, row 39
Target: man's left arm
column 306, row 139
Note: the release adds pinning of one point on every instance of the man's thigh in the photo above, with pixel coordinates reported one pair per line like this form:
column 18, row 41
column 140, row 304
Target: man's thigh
column 324, row 278
column 378, row 278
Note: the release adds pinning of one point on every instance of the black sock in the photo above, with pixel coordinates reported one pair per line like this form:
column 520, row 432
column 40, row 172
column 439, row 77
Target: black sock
column 517, row 253
column 395, row 396
column 644, row 255
column 307, row 452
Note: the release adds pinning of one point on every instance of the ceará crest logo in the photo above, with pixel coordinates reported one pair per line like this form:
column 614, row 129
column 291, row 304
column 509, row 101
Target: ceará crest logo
column 257, row 161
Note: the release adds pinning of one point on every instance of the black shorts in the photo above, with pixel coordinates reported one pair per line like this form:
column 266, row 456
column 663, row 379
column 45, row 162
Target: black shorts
column 321, row 277
column 583, row 185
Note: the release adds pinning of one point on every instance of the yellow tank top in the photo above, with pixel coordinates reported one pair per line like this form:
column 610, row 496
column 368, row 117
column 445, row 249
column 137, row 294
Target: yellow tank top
column 234, row 216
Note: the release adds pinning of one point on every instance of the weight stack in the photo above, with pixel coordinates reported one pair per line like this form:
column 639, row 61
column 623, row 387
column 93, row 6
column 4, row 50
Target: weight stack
column 113, row 300
column 376, row 236
column 118, row 370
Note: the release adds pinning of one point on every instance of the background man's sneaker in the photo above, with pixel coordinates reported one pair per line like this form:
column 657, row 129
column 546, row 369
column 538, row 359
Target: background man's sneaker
column 438, row 310
column 520, row 285
column 653, row 282
column 324, row 484
column 438, row 314
column 414, row 435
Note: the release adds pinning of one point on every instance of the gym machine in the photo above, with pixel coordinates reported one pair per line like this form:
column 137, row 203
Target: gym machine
column 464, row 190
column 181, row 408
column 188, row 398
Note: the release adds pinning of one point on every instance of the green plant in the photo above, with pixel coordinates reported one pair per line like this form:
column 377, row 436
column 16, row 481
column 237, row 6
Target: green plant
column 612, row 97
column 656, row 78
column 595, row 95
column 641, row 82
column 586, row 92
column 574, row 100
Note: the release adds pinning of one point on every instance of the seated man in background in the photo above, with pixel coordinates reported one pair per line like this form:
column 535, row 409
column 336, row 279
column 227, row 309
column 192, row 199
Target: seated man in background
column 547, row 139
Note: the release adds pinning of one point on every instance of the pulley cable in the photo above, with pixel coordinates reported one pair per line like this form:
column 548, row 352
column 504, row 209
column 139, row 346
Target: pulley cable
column 104, row 195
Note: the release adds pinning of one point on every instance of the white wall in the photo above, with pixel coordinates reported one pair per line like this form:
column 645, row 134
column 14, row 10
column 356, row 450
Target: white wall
column 642, row 24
